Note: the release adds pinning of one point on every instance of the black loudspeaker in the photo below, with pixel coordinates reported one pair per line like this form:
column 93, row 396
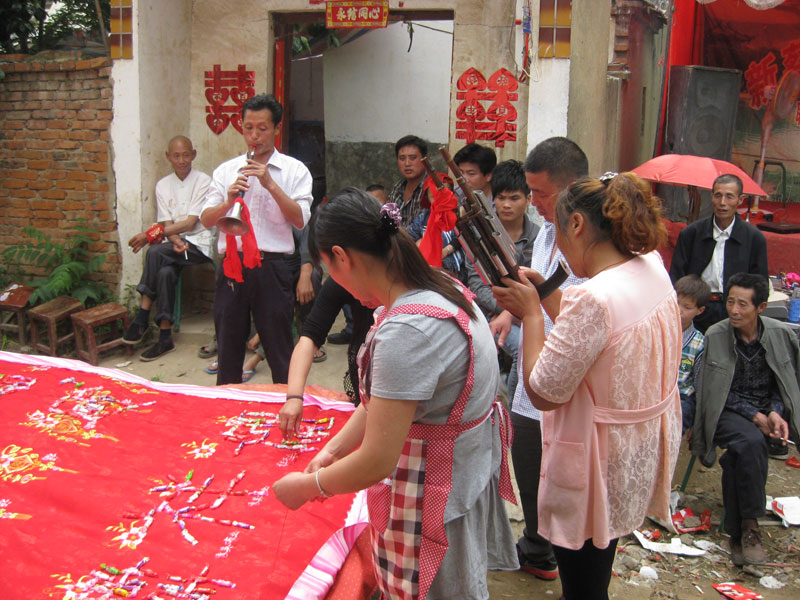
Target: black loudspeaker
column 701, row 111
column 701, row 118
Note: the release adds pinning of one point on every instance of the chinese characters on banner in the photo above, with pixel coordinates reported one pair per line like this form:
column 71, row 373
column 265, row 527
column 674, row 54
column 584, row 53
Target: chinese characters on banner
column 226, row 91
column 764, row 73
column 361, row 14
column 474, row 120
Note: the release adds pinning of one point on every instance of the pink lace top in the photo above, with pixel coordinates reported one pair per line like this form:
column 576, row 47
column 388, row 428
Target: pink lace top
column 612, row 361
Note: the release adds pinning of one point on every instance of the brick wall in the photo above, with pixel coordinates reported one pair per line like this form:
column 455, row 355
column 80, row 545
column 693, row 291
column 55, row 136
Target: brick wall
column 55, row 158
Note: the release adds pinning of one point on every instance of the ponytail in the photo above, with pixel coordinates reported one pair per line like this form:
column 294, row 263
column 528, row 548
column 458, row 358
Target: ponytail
column 354, row 219
column 620, row 207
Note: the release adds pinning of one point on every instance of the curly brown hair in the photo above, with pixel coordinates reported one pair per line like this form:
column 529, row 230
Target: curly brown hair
column 621, row 209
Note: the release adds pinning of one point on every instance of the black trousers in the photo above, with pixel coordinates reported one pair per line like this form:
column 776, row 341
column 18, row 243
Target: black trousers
column 585, row 573
column 267, row 295
column 744, row 469
column 160, row 277
column 526, row 454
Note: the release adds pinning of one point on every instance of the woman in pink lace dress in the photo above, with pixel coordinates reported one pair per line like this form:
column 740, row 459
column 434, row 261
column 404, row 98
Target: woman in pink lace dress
column 606, row 378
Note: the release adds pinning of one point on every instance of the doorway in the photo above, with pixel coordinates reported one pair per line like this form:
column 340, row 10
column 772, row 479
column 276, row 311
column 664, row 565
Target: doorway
column 350, row 94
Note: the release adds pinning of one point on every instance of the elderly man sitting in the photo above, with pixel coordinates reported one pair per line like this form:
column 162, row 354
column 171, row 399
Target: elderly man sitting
column 748, row 392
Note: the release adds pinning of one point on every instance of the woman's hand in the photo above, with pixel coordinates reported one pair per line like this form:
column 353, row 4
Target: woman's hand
column 519, row 297
column 295, row 489
column 289, row 417
column 324, row 458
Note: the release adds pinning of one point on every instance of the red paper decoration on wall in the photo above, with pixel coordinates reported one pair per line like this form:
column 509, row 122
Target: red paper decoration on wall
column 226, row 91
column 474, row 120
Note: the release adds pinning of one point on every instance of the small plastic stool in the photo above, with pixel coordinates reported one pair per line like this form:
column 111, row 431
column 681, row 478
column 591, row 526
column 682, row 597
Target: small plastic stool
column 50, row 314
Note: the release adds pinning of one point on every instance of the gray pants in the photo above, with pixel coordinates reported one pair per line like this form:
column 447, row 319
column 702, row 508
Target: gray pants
column 160, row 278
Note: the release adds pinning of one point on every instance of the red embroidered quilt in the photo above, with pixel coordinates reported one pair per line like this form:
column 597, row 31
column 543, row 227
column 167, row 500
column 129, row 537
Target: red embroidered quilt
column 112, row 486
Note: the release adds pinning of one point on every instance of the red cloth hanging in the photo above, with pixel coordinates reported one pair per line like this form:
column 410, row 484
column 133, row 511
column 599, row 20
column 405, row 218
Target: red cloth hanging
column 442, row 218
column 231, row 265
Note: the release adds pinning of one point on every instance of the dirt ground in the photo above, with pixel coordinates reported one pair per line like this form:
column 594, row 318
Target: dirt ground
column 679, row 577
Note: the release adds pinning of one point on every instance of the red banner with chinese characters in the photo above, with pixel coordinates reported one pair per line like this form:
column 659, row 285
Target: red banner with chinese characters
column 356, row 14
column 226, row 91
column 475, row 121
column 113, row 486
column 765, row 46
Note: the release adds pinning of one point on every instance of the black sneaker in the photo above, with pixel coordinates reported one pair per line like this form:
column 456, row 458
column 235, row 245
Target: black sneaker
column 135, row 333
column 343, row 337
column 158, row 349
column 777, row 450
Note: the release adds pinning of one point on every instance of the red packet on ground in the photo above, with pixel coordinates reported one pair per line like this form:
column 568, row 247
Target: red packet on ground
column 679, row 520
column 736, row 591
column 793, row 462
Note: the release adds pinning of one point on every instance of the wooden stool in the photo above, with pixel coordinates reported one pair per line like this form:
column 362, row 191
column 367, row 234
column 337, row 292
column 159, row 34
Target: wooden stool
column 51, row 313
column 85, row 321
column 13, row 299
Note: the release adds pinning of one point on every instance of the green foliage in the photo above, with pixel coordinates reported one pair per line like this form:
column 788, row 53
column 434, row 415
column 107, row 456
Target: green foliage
column 310, row 34
column 19, row 20
column 69, row 264
column 26, row 27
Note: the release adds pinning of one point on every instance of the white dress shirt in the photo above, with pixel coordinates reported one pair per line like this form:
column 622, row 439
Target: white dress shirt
column 713, row 272
column 272, row 230
column 176, row 200
column 540, row 261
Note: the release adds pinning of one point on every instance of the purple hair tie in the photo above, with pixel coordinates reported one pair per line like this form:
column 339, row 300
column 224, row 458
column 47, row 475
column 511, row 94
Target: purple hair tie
column 391, row 218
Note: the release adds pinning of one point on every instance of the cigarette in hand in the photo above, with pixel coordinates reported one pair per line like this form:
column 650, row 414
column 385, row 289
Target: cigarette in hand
column 788, row 441
column 186, row 255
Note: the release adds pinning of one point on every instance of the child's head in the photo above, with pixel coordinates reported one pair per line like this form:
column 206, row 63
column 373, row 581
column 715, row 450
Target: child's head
column 376, row 190
column 180, row 155
column 693, row 295
column 510, row 191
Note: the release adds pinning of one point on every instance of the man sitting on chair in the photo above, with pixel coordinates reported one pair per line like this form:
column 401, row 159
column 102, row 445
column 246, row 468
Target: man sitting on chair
column 178, row 240
column 748, row 392
column 719, row 246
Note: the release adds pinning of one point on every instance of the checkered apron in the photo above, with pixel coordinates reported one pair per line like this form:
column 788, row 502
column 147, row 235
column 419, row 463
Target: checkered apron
column 408, row 534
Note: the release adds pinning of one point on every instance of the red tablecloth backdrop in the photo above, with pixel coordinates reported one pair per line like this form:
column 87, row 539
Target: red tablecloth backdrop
column 83, row 450
column 783, row 250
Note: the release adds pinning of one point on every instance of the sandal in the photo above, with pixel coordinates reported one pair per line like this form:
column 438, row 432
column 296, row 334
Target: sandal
column 207, row 351
column 320, row 356
column 212, row 368
column 247, row 375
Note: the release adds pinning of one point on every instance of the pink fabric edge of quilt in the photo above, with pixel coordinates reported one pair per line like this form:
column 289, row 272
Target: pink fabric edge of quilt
column 319, row 574
column 175, row 388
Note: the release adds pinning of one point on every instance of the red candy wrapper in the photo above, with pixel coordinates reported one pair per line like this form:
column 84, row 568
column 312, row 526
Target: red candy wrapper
column 736, row 591
column 155, row 233
column 680, row 517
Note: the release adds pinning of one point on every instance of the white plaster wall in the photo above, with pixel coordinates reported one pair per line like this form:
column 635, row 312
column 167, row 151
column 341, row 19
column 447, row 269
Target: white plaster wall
column 229, row 34
column 150, row 106
column 126, row 143
column 377, row 91
column 548, row 99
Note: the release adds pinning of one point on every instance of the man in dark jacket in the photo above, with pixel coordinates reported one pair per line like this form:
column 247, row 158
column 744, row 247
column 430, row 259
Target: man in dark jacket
column 748, row 392
column 719, row 246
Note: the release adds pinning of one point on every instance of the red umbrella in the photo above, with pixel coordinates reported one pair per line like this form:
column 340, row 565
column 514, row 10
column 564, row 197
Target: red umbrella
column 700, row 171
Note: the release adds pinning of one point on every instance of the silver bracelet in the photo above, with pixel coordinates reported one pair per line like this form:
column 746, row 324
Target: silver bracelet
column 319, row 487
